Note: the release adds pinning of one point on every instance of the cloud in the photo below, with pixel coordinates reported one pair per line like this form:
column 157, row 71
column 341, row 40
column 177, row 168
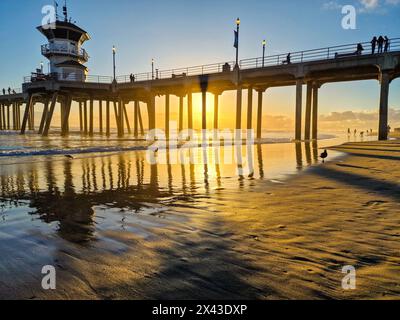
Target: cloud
column 363, row 119
column 363, row 6
column 332, row 5
column 369, row 4
column 379, row 6
column 393, row 2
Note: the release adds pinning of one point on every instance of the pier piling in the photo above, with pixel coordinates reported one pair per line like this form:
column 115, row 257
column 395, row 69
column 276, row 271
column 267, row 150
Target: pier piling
column 298, row 116
column 307, row 129
column 383, row 106
column 315, row 112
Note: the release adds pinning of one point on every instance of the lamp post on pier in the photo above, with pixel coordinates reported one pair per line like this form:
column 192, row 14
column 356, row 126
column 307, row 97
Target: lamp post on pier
column 152, row 69
column 114, row 50
column 264, row 43
column 236, row 45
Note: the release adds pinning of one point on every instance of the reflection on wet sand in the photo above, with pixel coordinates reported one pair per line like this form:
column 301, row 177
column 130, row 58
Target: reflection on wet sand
column 66, row 191
column 117, row 226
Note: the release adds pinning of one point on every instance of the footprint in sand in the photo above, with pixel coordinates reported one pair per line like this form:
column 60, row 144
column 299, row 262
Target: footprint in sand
column 374, row 203
column 324, row 188
column 254, row 237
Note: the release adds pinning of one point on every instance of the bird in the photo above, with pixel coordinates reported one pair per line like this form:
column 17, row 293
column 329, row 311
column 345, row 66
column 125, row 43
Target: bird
column 69, row 156
column 324, row 155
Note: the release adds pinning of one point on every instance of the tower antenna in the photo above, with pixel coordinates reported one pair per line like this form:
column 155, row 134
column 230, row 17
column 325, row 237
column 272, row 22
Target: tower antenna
column 56, row 7
column 65, row 11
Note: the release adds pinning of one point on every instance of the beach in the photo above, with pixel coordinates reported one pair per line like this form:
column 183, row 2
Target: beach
column 116, row 227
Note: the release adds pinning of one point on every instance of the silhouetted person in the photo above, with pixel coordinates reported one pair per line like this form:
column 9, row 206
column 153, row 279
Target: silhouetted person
column 355, row 131
column 381, row 41
column 288, row 59
column 387, row 44
column 348, row 131
column 132, row 78
column 389, row 129
column 9, row 90
column 374, row 42
column 4, row 91
column 360, row 49
column 14, row 92
column 226, row 67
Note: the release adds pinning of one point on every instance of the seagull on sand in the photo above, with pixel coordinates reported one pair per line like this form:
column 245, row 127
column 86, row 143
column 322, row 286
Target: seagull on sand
column 324, row 155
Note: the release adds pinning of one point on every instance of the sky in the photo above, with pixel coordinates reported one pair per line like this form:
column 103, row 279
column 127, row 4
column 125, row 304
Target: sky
column 181, row 33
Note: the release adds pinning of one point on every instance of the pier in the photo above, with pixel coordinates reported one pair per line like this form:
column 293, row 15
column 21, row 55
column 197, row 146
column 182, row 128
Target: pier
column 311, row 69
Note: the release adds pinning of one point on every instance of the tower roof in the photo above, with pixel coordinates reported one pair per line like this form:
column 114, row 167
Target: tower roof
column 65, row 30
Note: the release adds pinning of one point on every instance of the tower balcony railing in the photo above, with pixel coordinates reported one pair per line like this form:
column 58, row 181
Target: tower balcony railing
column 48, row 49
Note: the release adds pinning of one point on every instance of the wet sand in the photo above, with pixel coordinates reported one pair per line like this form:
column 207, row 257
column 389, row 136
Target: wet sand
column 201, row 231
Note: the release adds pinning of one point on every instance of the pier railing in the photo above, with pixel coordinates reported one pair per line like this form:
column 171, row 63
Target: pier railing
column 36, row 77
column 12, row 91
column 336, row 52
column 179, row 72
column 321, row 54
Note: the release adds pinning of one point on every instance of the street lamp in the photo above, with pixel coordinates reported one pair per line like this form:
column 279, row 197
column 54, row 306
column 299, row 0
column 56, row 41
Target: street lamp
column 237, row 41
column 152, row 69
column 263, row 59
column 114, row 50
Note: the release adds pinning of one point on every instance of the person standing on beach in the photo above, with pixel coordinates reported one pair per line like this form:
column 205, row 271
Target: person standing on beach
column 381, row 41
column 373, row 44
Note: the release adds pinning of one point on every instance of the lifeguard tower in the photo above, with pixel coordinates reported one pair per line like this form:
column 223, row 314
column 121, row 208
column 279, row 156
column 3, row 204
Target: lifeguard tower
column 64, row 50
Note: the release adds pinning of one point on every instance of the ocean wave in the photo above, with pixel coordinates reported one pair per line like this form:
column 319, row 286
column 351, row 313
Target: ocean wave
column 54, row 152
column 16, row 150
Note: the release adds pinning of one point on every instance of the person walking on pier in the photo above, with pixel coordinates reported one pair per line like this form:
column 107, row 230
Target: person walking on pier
column 288, row 59
column 381, row 41
column 387, row 44
column 132, row 78
column 9, row 90
column 4, row 91
column 360, row 49
column 373, row 44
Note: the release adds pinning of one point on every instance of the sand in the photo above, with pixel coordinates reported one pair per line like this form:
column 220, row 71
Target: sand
column 286, row 240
